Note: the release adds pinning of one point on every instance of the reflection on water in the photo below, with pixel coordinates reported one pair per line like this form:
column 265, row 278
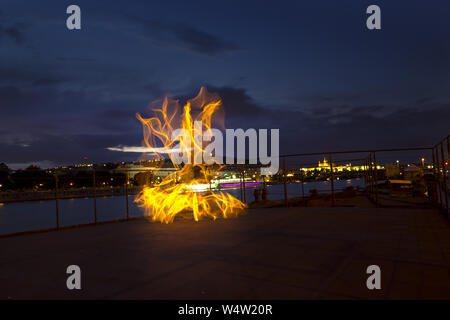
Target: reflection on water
column 276, row 192
column 24, row 216
column 35, row 215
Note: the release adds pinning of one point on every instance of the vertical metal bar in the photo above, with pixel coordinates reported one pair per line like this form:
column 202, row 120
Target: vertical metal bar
column 447, row 160
column 94, row 190
column 264, row 185
column 303, row 184
column 366, row 169
column 333, row 202
column 434, row 199
column 56, row 200
column 438, row 177
column 243, row 186
column 240, row 187
column 444, row 177
column 376, row 179
column 434, row 162
column 365, row 175
column 370, row 177
column 126, row 195
column 284, row 183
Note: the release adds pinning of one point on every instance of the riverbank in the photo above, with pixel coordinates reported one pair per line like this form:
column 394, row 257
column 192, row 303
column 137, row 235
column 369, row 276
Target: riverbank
column 21, row 196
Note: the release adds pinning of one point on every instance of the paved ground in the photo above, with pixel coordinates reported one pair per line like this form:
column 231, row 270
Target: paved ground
column 296, row 253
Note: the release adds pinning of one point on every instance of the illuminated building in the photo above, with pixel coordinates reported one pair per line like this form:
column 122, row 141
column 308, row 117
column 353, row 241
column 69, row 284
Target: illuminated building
column 325, row 165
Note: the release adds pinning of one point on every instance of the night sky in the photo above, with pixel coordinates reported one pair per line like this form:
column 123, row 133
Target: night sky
column 312, row 70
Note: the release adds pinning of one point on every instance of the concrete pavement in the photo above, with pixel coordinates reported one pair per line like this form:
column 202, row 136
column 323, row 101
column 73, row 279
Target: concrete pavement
column 274, row 253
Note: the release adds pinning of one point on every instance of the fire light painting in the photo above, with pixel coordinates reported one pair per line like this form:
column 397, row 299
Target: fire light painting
column 177, row 192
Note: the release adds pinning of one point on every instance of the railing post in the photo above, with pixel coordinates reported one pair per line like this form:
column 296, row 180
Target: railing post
column 284, row 183
column 303, row 184
column 240, row 188
column 365, row 174
column 126, row 195
column 434, row 199
column 375, row 178
column 332, row 180
column 434, row 162
column 438, row 177
column 56, row 200
column 243, row 186
column 370, row 175
column 366, row 168
column 444, row 177
column 94, row 190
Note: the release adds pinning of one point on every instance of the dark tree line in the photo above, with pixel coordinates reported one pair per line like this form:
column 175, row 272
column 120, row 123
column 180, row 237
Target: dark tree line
column 34, row 178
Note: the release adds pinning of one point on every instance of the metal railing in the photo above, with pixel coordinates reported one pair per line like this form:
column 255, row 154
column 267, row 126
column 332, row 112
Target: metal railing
column 60, row 188
column 437, row 186
column 441, row 158
column 52, row 189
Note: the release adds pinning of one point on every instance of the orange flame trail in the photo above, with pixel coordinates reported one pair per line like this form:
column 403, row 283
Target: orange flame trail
column 176, row 193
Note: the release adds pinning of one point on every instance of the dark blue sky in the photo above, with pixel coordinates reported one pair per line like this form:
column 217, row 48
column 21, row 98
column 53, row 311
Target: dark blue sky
column 312, row 70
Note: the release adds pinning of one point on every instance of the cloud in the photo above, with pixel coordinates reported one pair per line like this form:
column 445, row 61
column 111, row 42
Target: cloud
column 48, row 81
column 21, row 76
column 48, row 124
column 10, row 75
column 202, row 42
column 237, row 103
column 340, row 125
column 68, row 148
column 185, row 37
column 14, row 33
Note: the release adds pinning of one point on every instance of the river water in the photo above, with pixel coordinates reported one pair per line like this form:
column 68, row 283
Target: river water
column 35, row 215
